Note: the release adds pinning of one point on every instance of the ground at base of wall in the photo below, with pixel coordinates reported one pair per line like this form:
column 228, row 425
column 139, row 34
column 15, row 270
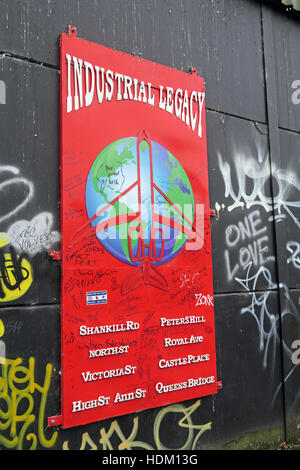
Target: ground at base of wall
column 262, row 440
column 290, row 447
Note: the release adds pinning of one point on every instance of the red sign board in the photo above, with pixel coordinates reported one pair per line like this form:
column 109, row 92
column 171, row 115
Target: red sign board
column 137, row 295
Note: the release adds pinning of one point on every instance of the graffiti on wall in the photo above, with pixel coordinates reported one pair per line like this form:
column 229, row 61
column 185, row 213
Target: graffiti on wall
column 248, row 249
column 294, row 249
column 22, row 402
column 247, row 168
column 17, row 418
column 22, row 397
column 13, row 181
column 113, row 437
column 33, row 236
column 246, row 242
column 15, row 271
column 23, row 239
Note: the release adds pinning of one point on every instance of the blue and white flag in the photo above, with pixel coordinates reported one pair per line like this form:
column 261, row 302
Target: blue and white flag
column 93, row 298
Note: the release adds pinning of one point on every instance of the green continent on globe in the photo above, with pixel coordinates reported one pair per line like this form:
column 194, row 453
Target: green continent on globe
column 107, row 171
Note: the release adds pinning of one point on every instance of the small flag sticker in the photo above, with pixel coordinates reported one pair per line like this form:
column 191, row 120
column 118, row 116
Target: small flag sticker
column 93, row 298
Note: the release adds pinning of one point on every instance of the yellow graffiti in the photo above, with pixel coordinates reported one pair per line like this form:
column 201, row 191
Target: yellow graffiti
column 85, row 440
column 191, row 441
column 126, row 443
column 18, row 394
column 108, row 438
column 15, row 272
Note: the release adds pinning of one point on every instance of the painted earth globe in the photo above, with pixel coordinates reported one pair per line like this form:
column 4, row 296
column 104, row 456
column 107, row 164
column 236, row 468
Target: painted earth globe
column 120, row 184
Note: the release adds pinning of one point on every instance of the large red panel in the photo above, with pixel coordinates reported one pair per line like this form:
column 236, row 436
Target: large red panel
column 137, row 295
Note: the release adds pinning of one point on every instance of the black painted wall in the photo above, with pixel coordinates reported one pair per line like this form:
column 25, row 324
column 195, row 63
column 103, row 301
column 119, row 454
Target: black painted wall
column 248, row 54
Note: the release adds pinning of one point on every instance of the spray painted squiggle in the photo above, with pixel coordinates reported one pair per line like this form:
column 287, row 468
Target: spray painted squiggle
column 294, row 248
column 258, row 173
column 267, row 322
column 259, row 309
column 14, row 182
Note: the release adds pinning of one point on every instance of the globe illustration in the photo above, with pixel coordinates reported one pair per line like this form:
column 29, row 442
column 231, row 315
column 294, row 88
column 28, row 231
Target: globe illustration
column 139, row 201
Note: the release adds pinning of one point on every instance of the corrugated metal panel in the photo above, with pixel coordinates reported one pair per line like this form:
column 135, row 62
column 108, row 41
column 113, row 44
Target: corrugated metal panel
column 294, row 3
